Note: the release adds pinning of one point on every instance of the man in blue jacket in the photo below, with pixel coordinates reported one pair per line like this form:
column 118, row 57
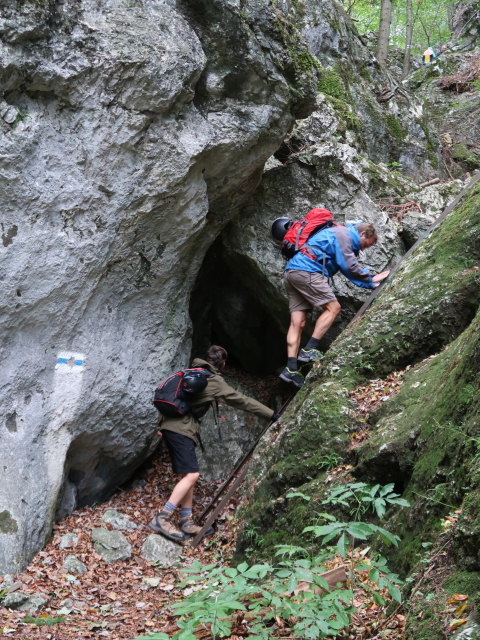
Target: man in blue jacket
column 307, row 277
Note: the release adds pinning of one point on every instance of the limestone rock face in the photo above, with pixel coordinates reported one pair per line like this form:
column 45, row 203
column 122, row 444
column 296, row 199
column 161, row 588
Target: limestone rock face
column 453, row 108
column 372, row 110
column 123, row 124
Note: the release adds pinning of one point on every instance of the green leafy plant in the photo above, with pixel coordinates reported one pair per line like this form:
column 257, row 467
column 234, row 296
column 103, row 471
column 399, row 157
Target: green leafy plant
column 329, row 461
column 263, row 592
column 354, row 530
column 393, row 165
column 298, row 494
column 44, row 621
column 379, row 573
column 294, row 589
column 365, row 498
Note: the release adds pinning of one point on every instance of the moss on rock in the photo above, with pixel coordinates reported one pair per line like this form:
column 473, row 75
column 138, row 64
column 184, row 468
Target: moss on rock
column 466, row 582
column 395, row 128
column 345, row 114
column 7, row 523
column 330, row 83
column 423, row 440
column 423, row 436
column 462, row 153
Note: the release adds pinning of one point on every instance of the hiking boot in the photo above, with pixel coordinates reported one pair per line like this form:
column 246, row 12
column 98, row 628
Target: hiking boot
column 295, row 377
column 309, row 355
column 189, row 528
column 161, row 524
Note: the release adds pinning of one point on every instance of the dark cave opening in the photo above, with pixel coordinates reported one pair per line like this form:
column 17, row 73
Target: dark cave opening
column 289, row 147
column 224, row 311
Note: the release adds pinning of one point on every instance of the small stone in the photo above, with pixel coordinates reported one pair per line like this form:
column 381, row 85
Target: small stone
column 15, row 586
column 35, row 602
column 161, row 551
column 111, row 545
column 73, row 565
column 14, row 600
column 151, row 582
column 7, row 112
column 11, row 115
column 24, row 601
column 118, row 520
column 68, row 540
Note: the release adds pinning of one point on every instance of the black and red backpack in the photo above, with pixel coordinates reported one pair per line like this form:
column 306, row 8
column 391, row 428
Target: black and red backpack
column 172, row 397
column 298, row 232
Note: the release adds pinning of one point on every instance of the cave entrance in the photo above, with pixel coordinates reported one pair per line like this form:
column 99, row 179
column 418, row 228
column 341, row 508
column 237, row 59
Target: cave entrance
column 224, row 311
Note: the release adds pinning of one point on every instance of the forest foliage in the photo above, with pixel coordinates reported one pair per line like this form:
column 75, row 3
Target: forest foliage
column 430, row 21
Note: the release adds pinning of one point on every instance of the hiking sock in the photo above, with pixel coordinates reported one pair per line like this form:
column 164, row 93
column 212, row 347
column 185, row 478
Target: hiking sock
column 185, row 514
column 169, row 508
column 292, row 364
column 312, row 344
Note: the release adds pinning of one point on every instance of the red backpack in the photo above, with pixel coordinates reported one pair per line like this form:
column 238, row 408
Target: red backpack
column 300, row 231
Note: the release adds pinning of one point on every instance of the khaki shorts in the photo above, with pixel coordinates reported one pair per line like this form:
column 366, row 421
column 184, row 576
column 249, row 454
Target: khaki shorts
column 307, row 290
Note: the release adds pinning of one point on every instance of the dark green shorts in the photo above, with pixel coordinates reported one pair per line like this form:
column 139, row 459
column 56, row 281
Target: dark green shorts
column 182, row 452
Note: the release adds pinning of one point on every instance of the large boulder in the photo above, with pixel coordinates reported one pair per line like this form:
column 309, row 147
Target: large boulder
column 130, row 132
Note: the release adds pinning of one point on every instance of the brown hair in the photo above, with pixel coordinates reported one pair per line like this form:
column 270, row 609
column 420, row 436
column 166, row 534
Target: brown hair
column 216, row 355
column 368, row 230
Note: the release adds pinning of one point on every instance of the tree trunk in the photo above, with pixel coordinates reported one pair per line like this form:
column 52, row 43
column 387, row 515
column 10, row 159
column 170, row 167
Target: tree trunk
column 408, row 37
column 384, row 32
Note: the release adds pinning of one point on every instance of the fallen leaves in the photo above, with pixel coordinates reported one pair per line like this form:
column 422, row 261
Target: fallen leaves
column 365, row 399
column 126, row 598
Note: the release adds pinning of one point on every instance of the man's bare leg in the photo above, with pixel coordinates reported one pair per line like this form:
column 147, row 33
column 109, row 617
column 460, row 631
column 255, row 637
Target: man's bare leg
column 182, row 493
column 326, row 319
column 297, row 323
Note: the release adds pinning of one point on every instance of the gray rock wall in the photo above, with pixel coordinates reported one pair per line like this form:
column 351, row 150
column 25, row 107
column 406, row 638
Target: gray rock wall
column 131, row 135
column 123, row 121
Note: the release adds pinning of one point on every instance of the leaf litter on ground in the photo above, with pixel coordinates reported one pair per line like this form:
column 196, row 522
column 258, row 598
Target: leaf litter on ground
column 128, row 598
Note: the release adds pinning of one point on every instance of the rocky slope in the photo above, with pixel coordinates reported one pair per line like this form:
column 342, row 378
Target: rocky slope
column 423, row 439
column 133, row 138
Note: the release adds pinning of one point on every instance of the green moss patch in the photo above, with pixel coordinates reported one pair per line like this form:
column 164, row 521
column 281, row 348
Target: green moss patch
column 331, row 84
column 345, row 114
column 395, row 128
column 462, row 153
column 7, row 523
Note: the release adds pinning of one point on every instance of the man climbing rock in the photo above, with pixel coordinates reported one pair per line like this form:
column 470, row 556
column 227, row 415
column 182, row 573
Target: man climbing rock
column 306, row 279
column 181, row 437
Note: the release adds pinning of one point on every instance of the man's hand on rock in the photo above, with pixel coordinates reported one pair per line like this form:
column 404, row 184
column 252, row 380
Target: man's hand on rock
column 380, row 276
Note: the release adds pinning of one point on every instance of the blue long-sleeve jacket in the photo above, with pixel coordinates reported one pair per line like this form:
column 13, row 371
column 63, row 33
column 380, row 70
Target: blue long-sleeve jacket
column 340, row 246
